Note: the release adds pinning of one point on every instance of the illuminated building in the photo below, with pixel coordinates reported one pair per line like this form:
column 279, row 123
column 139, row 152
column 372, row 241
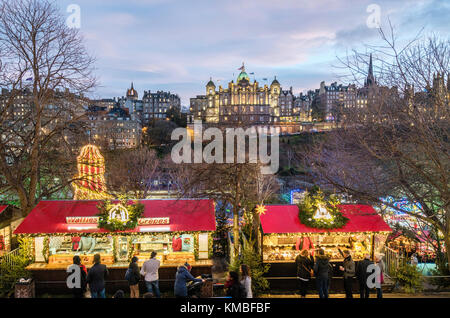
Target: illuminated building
column 243, row 103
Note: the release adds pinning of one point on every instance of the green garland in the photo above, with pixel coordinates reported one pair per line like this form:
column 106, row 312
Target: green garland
column 135, row 211
column 196, row 247
column 45, row 249
column 130, row 247
column 210, row 246
column 309, row 205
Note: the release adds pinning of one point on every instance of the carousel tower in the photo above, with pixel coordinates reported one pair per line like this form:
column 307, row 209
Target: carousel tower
column 90, row 183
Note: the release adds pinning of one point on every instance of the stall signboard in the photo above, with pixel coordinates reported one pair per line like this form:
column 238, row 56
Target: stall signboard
column 153, row 221
column 82, row 219
column 94, row 220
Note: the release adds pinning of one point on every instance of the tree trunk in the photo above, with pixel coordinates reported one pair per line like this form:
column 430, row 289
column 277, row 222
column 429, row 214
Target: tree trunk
column 447, row 247
column 236, row 230
column 236, row 212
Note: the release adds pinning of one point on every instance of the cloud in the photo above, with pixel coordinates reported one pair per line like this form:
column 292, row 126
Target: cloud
column 178, row 44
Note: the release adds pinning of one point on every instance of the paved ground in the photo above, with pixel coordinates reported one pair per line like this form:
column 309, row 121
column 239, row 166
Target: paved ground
column 385, row 295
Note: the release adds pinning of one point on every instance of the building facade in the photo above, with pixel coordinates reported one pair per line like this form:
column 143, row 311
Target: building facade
column 152, row 106
column 112, row 129
column 247, row 103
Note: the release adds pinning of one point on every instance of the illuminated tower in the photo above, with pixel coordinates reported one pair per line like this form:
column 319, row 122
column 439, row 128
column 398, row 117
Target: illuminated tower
column 90, row 182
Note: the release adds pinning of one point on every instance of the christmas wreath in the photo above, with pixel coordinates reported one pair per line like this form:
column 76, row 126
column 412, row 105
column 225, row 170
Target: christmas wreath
column 309, row 206
column 135, row 211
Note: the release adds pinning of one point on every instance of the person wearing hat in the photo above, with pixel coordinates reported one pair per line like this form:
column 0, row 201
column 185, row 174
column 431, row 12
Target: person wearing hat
column 182, row 277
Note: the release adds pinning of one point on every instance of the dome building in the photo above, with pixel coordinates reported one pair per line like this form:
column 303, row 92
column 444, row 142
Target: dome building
column 239, row 103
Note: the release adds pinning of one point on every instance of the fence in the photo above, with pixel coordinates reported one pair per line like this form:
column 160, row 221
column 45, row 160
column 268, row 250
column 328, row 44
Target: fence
column 392, row 261
column 8, row 259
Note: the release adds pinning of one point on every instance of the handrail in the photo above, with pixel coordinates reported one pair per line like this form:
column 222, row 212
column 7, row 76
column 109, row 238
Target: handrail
column 7, row 258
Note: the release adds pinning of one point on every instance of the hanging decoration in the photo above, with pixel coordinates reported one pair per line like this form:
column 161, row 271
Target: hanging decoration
column 90, row 182
column 119, row 217
column 318, row 212
column 261, row 209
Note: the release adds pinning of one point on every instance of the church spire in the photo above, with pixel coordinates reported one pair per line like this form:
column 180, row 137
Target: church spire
column 370, row 78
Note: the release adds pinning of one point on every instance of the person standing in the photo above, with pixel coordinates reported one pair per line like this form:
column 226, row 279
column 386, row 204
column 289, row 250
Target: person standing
column 246, row 280
column 321, row 271
column 380, row 264
column 79, row 292
column 96, row 278
column 414, row 260
column 305, row 265
column 150, row 272
column 181, row 278
column 362, row 275
column 133, row 277
column 349, row 271
column 233, row 286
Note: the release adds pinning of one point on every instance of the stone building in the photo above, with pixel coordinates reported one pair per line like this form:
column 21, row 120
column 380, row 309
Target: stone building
column 245, row 103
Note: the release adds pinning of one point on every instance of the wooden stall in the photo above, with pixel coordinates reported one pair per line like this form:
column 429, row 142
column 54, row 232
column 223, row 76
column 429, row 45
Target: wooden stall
column 284, row 236
column 178, row 230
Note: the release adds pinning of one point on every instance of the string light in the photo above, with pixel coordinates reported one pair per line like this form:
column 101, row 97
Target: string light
column 90, row 184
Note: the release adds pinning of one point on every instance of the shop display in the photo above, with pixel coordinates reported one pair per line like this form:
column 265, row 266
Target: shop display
column 288, row 247
column 284, row 236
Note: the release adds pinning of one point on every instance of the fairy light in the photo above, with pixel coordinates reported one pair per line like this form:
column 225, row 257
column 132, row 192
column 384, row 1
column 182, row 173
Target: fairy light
column 90, row 184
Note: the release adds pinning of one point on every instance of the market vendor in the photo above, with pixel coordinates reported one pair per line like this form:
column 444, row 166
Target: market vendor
column 87, row 244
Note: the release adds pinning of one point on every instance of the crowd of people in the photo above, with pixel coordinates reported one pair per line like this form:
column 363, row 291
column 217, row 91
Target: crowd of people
column 237, row 285
column 323, row 271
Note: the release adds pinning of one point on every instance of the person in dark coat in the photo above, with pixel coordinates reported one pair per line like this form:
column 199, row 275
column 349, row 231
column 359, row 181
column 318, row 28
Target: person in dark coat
column 134, row 278
column 321, row 271
column 233, row 287
column 96, row 278
column 182, row 277
column 348, row 267
column 362, row 275
column 305, row 264
column 79, row 292
column 330, row 273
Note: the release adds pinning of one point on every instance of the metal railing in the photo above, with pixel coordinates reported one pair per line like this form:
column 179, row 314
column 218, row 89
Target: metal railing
column 393, row 260
column 8, row 259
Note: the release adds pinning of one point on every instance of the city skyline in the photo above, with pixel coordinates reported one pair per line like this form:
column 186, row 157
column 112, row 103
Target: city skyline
column 177, row 46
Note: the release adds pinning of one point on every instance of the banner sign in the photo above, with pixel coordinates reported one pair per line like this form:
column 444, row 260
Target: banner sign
column 153, row 221
column 82, row 219
column 94, row 220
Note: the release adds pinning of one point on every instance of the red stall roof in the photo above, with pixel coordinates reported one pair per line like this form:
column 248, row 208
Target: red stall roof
column 184, row 215
column 284, row 219
column 2, row 208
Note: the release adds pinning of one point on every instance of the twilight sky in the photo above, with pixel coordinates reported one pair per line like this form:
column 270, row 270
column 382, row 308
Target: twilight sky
column 176, row 45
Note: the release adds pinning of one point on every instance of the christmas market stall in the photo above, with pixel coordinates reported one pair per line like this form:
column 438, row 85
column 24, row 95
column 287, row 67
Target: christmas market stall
column 333, row 227
column 178, row 230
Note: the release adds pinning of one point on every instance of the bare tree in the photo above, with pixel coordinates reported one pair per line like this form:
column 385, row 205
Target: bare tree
column 240, row 184
column 46, row 69
column 398, row 144
column 133, row 171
